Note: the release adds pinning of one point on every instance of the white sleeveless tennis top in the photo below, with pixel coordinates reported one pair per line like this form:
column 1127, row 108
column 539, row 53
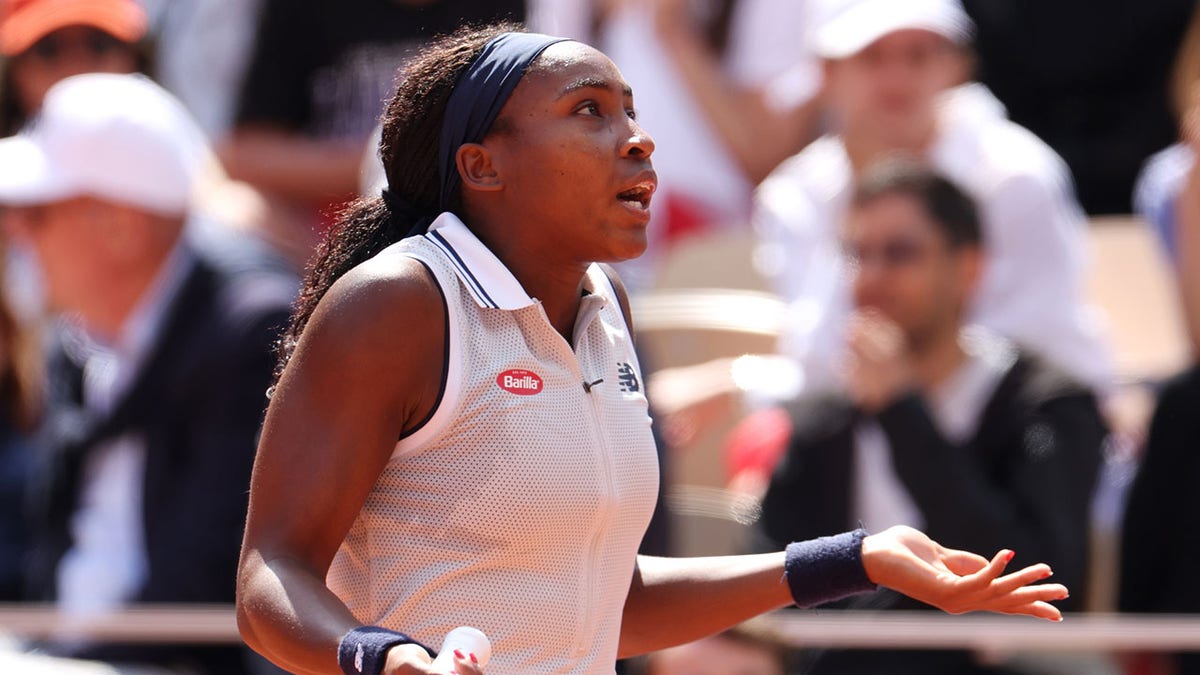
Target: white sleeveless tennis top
column 519, row 506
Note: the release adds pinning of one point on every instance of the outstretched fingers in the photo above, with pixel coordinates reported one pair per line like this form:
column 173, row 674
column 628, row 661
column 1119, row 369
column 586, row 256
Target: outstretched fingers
column 1039, row 593
column 1029, row 575
column 959, row 581
column 1040, row 610
column 1014, row 594
column 990, row 572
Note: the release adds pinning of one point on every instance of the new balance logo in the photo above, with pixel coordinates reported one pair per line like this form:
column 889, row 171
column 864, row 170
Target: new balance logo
column 627, row 378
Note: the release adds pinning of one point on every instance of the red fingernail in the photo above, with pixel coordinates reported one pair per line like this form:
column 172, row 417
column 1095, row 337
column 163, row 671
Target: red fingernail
column 473, row 659
column 1010, row 556
column 459, row 654
column 1047, row 574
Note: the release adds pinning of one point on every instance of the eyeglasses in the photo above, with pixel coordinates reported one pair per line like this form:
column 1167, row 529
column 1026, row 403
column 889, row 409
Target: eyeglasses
column 95, row 43
column 897, row 252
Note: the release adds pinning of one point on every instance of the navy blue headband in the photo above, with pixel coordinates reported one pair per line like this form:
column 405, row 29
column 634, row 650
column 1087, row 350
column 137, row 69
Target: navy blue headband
column 480, row 94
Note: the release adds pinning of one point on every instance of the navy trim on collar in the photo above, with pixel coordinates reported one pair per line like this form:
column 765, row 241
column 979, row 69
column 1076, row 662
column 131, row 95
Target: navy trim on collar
column 490, row 283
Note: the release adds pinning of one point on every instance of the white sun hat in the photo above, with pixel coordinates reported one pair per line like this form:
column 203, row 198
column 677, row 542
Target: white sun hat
column 845, row 27
column 121, row 138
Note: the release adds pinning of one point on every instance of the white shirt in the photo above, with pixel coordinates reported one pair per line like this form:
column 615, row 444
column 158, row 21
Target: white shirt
column 106, row 563
column 1157, row 190
column 519, row 506
column 1035, row 237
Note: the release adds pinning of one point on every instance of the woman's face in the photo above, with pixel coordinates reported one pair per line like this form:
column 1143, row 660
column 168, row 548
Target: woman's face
column 73, row 50
column 574, row 163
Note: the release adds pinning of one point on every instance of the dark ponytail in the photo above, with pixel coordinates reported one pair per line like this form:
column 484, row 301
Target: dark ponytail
column 409, row 149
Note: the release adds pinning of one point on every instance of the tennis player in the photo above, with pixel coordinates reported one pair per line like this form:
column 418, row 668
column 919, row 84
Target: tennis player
column 459, row 433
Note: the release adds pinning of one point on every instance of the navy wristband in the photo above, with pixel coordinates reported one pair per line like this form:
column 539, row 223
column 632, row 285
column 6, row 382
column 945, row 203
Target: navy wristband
column 363, row 651
column 826, row 569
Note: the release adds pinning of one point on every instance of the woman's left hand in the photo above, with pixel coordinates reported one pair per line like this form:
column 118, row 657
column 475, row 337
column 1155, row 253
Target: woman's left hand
column 908, row 561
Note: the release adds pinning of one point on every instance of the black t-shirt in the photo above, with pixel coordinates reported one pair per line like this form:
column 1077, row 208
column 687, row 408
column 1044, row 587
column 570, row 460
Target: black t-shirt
column 326, row 68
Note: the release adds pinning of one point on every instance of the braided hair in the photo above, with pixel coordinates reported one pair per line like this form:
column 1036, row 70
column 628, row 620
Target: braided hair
column 412, row 125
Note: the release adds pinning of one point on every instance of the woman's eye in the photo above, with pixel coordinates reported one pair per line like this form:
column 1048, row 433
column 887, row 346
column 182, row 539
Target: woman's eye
column 590, row 108
column 631, row 113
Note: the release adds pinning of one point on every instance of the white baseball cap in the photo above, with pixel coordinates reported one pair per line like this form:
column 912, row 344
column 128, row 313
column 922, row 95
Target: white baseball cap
column 846, row 27
column 120, row 138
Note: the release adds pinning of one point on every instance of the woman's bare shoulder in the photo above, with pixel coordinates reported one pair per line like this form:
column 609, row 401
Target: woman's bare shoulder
column 391, row 303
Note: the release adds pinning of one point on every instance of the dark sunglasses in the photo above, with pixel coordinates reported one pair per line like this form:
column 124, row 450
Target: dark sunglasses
column 96, row 43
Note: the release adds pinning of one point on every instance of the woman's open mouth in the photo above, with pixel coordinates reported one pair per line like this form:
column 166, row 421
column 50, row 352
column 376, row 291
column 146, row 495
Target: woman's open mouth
column 638, row 196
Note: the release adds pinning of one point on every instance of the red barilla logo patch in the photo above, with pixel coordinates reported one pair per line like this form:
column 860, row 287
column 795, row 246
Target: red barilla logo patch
column 520, row 382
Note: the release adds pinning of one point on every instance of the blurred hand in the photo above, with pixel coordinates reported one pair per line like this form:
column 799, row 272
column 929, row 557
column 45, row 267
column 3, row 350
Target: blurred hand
column 908, row 561
column 414, row 660
column 878, row 368
column 690, row 400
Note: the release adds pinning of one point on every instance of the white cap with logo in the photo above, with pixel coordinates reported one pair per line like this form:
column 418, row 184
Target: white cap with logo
column 121, row 138
column 845, row 27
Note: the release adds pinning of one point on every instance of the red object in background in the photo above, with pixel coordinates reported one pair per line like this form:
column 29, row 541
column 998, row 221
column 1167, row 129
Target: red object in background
column 685, row 217
column 1148, row 664
column 757, row 443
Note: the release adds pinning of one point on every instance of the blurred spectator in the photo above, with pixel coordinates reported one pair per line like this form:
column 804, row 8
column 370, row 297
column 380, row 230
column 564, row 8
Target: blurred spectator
column 1162, row 517
column 1089, row 77
column 1167, row 194
column 317, row 79
column 158, row 370
column 44, row 41
column 202, row 48
column 1159, row 542
column 20, row 402
column 729, row 89
column 748, row 649
column 889, row 69
column 944, row 428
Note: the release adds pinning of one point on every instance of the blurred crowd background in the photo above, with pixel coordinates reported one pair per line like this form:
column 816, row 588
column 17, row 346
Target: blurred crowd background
column 921, row 262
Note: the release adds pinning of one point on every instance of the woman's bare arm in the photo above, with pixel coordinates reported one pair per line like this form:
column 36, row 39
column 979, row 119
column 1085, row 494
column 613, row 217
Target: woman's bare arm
column 369, row 363
column 676, row 600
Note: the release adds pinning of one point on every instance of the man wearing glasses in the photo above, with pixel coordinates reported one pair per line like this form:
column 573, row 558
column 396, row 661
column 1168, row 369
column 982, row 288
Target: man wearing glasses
column 942, row 425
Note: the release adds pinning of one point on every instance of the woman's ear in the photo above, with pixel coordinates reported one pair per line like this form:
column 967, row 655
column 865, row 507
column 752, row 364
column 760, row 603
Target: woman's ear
column 476, row 168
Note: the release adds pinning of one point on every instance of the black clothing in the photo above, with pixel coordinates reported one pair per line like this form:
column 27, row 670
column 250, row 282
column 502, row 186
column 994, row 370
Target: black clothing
column 16, row 460
column 326, row 68
column 1090, row 78
column 197, row 403
column 1023, row 482
column 1161, row 535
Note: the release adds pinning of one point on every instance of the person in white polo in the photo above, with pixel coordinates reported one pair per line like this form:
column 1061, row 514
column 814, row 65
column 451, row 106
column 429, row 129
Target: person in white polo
column 891, row 72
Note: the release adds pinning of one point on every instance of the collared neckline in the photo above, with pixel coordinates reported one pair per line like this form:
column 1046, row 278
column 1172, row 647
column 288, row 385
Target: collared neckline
column 489, row 282
column 109, row 367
